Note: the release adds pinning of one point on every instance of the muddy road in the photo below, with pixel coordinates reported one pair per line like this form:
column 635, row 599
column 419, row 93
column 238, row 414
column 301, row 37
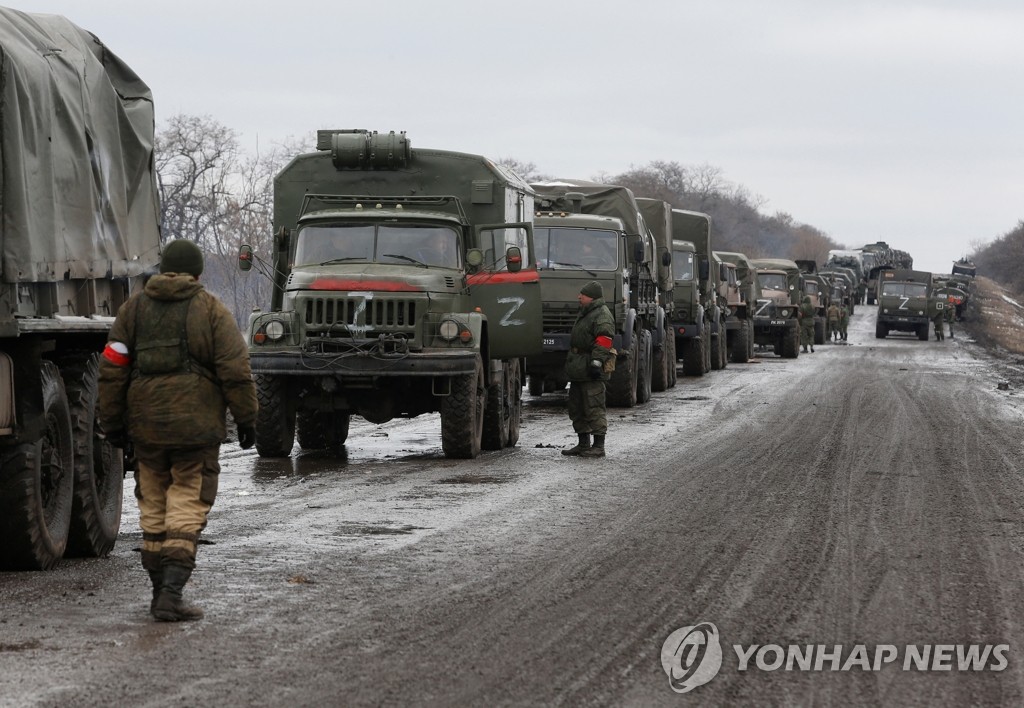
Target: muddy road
column 866, row 495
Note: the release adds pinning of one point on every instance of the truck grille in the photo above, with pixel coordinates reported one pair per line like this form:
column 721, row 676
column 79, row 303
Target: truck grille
column 358, row 316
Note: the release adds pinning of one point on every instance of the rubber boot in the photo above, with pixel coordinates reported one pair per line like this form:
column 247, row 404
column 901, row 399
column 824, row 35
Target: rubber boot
column 581, row 446
column 812, row 348
column 157, row 578
column 805, row 349
column 170, row 607
column 595, row 450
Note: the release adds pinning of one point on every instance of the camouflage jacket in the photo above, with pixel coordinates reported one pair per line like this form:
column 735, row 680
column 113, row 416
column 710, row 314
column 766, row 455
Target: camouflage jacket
column 184, row 409
column 593, row 321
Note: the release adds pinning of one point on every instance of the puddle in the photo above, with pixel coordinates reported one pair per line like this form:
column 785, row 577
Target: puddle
column 474, row 479
column 376, row 530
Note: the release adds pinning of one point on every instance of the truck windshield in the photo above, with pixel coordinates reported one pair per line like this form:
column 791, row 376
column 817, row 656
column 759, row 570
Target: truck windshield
column 772, row 281
column 905, row 289
column 682, row 266
column 378, row 243
column 590, row 249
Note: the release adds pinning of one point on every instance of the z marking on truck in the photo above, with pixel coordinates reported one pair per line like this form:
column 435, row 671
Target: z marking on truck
column 903, row 303
column 516, row 303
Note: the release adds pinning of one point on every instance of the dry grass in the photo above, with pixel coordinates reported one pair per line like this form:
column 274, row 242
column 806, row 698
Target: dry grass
column 995, row 317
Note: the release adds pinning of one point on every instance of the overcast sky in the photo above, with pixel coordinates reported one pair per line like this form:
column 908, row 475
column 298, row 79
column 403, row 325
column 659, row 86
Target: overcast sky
column 888, row 120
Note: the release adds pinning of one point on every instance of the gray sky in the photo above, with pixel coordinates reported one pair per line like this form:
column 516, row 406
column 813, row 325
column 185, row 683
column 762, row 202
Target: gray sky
column 888, row 120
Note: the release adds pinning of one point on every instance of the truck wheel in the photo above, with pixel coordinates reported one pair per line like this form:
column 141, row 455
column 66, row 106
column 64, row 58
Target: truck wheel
column 321, row 430
column 98, row 466
column 462, row 415
column 791, row 343
column 673, row 378
column 693, row 356
column 881, row 331
column 36, row 494
column 643, row 368
column 497, row 412
column 515, row 389
column 819, row 332
column 740, row 350
column 536, row 383
column 621, row 389
column 275, row 419
column 659, row 364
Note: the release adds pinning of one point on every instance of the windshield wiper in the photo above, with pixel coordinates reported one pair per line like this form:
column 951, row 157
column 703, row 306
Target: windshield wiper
column 342, row 260
column 405, row 258
column 573, row 265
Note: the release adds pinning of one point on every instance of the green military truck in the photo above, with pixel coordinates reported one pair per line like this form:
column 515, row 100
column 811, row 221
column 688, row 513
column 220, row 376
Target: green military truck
column 79, row 221
column 851, row 260
column 404, row 283
column 818, row 288
column 698, row 320
column 741, row 299
column 904, row 298
column 776, row 321
column 658, row 217
column 590, row 231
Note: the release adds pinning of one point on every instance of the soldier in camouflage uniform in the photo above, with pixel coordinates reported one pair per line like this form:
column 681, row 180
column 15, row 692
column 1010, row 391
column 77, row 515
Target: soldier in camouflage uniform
column 833, row 316
column 806, row 314
column 173, row 363
column 587, row 367
column 937, row 319
column 844, row 319
column 950, row 316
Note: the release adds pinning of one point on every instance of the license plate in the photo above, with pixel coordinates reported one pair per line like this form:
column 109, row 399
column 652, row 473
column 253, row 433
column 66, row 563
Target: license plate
column 776, row 323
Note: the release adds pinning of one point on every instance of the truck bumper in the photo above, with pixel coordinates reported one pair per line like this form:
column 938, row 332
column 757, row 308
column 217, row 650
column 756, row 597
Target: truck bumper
column 445, row 363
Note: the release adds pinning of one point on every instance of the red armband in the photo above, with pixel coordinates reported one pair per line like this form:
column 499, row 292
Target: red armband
column 603, row 341
column 117, row 354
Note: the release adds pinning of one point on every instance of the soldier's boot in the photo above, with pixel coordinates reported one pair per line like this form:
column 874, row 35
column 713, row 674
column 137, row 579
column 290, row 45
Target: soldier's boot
column 812, row 348
column 157, row 578
column 595, row 450
column 805, row 349
column 170, row 606
column 582, row 446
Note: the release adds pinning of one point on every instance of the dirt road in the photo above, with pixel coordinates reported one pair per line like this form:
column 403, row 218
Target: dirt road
column 868, row 495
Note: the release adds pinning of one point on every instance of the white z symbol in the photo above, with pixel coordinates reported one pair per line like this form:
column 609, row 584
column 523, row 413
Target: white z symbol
column 516, row 303
column 903, row 304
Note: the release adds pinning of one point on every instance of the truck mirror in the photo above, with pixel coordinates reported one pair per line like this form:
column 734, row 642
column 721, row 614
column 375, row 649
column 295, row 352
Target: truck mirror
column 666, row 259
column 723, row 272
column 514, row 259
column 245, row 257
column 638, row 252
column 703, row 269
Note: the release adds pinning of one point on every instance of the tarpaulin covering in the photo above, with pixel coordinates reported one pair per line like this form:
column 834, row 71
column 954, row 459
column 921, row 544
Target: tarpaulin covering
column 78, row 192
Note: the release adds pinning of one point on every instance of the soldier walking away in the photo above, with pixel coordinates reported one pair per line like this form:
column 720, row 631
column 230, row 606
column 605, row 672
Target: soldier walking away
column 833, row 322
column 844, row 319
column 937, row 320
column 806, row 314
column 590, row 361
column 174, row 362
column 950, row 316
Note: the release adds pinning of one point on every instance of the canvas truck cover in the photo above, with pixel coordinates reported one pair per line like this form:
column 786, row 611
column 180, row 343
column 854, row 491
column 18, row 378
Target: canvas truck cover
column 78, row 192
column 600, row 199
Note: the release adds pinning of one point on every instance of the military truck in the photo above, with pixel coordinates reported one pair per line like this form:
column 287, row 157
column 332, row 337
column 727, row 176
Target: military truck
column 698, row 320
column 962, row 277
column 904, row 298
column 853, row 261
column 739, row 321
column 844, row 285
column 405, row 282
column 776, row 319
column 658, row 217
column 818, row 288
column 590, row 231
column 876, row 257
column 79, row 222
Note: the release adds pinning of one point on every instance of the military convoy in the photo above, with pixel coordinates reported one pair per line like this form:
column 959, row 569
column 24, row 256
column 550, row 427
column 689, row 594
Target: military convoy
column 75, row 242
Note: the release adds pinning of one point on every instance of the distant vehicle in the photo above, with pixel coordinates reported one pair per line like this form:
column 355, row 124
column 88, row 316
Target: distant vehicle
column 739, row 293
column 904, row 299
column 776, row 322
column 698, row 319
column 79, row 225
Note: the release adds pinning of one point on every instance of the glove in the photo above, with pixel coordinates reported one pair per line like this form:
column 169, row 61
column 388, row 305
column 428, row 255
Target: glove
column 246, row 436
column 117, row 438
column 595, row 368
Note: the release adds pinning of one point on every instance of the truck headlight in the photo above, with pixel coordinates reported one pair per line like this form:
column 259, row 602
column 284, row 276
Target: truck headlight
column 274, row 330
column 449, row 330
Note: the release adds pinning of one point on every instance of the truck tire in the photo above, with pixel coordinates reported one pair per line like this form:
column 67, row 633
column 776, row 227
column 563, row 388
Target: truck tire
column 819, row 332
column 719, row 348
column 643, row 368
column 660, row 364
column 881, row 331
column 621, row 389
column 922, row 332
column 504, row 409
column 740, row 349
column 462, row 415
column 38, row 484
column 693, row 356
column 791, row 343
column 98, row 465
column 321, row 430
column 672, row 374
column 536, row 383
column 275, row 419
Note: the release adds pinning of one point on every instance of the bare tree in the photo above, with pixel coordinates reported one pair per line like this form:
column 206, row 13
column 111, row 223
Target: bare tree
column 526, row 170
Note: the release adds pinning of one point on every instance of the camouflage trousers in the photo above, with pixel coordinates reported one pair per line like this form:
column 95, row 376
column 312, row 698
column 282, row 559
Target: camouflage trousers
column 587, row 407
column 807, row 332
column 938, row 327
column 175, row 489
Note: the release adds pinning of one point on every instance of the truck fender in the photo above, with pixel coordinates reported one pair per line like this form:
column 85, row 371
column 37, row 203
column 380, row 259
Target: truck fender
column 627, row 332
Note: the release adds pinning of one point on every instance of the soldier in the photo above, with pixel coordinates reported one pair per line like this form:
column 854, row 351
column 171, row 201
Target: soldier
column 173, row 363
column 937, row 320
column 806, row 314
column 950, row 316
column 587, row 367
column 833, row 315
